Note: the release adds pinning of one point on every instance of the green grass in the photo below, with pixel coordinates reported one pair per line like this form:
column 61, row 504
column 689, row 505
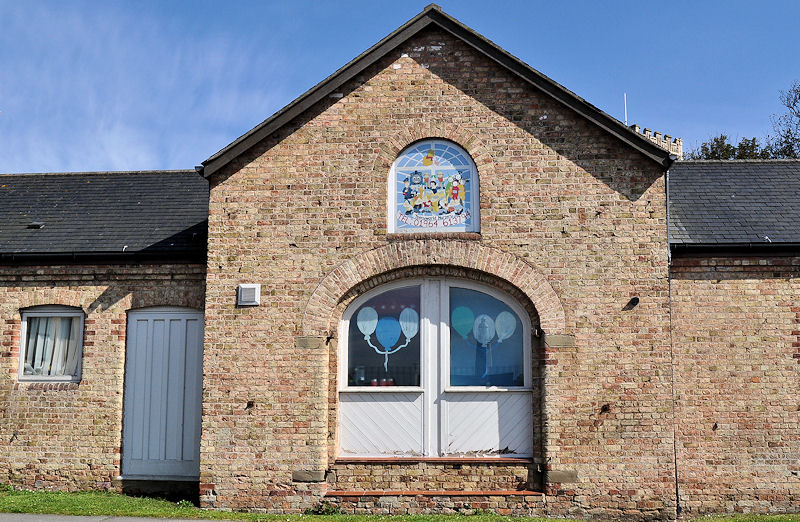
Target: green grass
column 113, row 504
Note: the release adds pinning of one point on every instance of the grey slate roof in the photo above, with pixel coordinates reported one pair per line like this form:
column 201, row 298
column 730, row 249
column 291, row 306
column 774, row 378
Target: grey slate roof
column 114, row 213
column 734, row 202
column 165, row 213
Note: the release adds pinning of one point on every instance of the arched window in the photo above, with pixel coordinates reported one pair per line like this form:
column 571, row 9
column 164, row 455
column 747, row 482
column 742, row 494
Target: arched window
column 435, row 367
column 433, row 187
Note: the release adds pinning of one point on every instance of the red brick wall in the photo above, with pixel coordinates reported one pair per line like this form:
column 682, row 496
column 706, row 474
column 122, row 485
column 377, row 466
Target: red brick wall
column 736, row 329
column 577, row 207
column 68, row 435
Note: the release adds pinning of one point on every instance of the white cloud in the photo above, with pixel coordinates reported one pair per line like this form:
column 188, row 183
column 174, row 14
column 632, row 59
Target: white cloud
column 98, row 86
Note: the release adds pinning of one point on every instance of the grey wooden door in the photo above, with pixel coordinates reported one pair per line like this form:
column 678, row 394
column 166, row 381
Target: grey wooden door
column 163, row 394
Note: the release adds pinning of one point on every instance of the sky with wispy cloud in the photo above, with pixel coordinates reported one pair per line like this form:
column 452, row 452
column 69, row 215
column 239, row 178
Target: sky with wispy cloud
column 112, row 85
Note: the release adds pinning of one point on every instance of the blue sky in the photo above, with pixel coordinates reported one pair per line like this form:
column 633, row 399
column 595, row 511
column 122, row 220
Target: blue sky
column 107, row 85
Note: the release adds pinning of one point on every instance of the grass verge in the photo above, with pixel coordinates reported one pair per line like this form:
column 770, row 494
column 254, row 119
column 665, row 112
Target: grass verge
column 98, row 503
column 113, row 504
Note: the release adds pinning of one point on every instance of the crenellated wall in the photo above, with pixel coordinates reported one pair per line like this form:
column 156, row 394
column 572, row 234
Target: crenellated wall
column 665, row 141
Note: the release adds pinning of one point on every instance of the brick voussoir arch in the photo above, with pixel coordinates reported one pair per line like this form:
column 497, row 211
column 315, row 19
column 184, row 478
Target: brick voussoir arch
column 55, row 296
column 318, row 317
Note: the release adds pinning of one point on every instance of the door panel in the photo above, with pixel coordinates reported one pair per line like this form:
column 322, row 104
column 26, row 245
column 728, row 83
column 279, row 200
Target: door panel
column 489, row 424
column 375, row 424
column 163, row 394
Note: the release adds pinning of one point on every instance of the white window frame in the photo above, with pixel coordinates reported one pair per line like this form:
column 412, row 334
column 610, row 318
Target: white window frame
column 474, row 197
column 434, row 356
column 49, row 311
column 344, row 334
column 444, row 338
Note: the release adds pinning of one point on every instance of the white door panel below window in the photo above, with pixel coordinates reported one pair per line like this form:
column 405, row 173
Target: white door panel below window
column 489, row 424
column 380, row 424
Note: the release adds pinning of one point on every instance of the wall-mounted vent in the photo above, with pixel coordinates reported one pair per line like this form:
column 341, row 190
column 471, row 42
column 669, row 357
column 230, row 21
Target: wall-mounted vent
column 249, row 295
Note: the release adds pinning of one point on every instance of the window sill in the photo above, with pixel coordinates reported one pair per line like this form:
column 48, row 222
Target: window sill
column 472, row 389
column 434, row 460
column 382, row 389
column 428, row 493
column 50, row 380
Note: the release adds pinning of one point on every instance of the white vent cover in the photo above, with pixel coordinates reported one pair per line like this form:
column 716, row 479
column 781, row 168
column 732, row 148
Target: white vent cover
column 249, row 295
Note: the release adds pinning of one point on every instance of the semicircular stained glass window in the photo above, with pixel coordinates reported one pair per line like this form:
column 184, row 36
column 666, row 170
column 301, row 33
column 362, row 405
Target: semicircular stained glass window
column 434, row 188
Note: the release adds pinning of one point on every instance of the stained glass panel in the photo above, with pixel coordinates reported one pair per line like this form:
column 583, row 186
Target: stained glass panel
column 435, row 189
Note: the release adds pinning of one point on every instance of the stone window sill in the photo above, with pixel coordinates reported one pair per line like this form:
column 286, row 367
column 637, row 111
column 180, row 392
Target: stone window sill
column 426, row 493
column 433, row 460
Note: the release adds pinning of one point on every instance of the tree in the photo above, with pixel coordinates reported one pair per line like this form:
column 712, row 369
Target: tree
column 785, row 143
column 719, row 148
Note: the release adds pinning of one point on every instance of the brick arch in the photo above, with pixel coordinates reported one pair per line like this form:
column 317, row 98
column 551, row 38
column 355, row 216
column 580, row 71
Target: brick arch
column 54, row 296
column 319, row 315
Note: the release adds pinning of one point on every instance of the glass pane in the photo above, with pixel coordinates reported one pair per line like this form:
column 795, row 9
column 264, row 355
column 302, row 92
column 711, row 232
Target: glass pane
column 383, row 341
column 46, row 345
column 486, row 341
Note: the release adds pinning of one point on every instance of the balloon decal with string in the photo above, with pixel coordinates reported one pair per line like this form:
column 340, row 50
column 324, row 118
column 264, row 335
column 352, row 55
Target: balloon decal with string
column 387, row 330
column 484, row 329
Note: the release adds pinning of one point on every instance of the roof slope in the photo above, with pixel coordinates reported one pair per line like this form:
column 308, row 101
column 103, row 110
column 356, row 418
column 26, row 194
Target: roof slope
column 734, row 202
column 433, row 16
column 159, row 212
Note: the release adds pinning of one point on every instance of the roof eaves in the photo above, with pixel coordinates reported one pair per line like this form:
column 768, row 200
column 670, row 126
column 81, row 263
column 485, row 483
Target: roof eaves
column 318, row 92
column 734, row 249
column 554, row 89
column 195, row 255
column 100, row 172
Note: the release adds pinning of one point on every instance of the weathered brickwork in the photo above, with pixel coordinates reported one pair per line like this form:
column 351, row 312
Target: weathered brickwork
column 432, row 476
column 68, row 435
column 578, row 212
column 417, row 502
column 736, row 323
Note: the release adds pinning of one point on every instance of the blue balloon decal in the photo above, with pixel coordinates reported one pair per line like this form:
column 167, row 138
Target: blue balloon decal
column 367, row 320
column 387, row 332
column 461, row 319
column 387, row 329
column 409, row 322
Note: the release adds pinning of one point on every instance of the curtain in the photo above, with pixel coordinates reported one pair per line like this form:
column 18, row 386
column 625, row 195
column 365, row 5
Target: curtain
column 52, row 346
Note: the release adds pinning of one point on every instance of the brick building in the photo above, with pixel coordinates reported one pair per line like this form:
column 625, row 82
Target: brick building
column 436, row 281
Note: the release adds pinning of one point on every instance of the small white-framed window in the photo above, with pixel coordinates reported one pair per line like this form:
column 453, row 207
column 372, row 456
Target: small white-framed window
column 51, row 339
column 433, row 187
column 435, row 367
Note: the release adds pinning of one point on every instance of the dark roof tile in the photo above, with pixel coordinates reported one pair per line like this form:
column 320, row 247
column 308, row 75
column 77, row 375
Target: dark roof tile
column 154, row 212
column 724, row 202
